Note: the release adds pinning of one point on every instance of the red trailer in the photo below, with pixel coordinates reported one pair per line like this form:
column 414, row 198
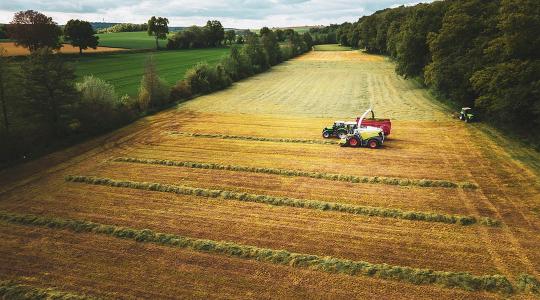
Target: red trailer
column 383, row 124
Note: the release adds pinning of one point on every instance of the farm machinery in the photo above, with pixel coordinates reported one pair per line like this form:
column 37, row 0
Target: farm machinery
column 363, row 135
column 341, row 128
column 467, row 114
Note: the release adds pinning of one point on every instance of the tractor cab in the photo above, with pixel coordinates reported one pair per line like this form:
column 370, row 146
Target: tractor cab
column 467, row 114
column 350, row 127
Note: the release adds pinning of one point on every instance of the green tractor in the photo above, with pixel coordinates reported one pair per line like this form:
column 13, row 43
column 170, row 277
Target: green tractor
column 339, row 129
column 467, row 114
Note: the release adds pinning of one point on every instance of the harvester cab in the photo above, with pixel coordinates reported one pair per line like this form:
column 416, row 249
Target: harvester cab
column 364, row 136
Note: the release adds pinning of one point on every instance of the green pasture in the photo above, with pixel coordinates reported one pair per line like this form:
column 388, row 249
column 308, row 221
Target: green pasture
column 124, row 70
column 129, row 40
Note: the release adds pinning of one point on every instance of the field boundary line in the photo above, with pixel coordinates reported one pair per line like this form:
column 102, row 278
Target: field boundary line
column 254, row 138
column 286, row 201
column 462, row 280
column 299, row 173
column 13, row 290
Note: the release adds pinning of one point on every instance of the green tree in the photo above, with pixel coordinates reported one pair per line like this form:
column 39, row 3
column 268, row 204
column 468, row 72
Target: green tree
column 153, row 92
column 3, row 33
column 97, row 108
column 50, row 89
column 5, row 72
column 80, row 34
column 271, row 46
column 33, row 30
column 159, row 28
column 256, row 54
column 457, row 50
column 230, row 36
column 508, row 87
column 215, row 33
column 280, row 34
column 413, row 52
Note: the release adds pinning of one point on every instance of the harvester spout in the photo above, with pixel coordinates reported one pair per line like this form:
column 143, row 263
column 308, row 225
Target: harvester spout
column 362, row 117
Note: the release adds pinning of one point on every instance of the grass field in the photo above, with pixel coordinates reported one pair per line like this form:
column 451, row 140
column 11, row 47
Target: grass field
column 129, row 40
column 124, row 70
column 213, row 194
column 331, row 47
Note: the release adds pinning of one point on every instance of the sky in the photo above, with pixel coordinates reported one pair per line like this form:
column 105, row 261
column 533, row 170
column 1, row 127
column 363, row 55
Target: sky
column 231, row 13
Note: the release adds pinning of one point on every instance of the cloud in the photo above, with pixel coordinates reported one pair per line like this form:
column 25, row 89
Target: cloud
column 232, row 13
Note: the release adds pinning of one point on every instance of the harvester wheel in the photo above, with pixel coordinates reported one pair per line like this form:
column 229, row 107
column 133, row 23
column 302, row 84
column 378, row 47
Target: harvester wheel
column 373, row 144
column 326, row 134
column 342, row 134
column 353, row 142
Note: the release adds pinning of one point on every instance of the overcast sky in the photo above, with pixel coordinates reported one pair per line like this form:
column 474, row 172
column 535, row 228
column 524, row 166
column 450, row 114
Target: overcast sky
column 231, row 13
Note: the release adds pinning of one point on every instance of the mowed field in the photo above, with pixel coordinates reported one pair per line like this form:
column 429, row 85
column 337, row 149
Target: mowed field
column 236, row 195
column 125, row 70
column 13, row 50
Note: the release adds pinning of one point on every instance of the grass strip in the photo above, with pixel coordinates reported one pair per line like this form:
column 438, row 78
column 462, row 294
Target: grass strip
column 298, row 173
column 286, row 201
column 14, row 290
column 527, row 283
column 462, row 280
column 256, row 138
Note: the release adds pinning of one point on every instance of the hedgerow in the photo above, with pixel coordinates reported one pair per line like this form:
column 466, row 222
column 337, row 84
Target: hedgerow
column 298, row 173
column 14, row 290
column 466, row 281
column 256, row 138
column 286, row 201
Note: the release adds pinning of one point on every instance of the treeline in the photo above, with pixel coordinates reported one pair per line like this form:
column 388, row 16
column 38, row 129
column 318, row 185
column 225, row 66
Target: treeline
column 124, row 27
column 210, row 35
column 43, row 104
column 3, row 33
column 257, row 55
column 484, row 54
column 324, row 35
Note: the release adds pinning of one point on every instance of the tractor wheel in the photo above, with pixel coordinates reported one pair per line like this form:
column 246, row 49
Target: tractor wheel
column 467, row 120
column 354, row 142
column 461, row 117
column 341, row 134
column 373, row 144
column 326, row 134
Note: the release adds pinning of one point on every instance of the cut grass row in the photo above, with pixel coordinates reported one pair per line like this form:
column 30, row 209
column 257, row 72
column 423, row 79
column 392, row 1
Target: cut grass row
column 14, row 290
column 286, row 201
column 299, row 173
column 256, row 138
column 462, row 280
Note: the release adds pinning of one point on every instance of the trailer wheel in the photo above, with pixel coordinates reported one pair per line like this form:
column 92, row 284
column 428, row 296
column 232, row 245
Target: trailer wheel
column 373, row 144
column 326, row 134
column 353, row 142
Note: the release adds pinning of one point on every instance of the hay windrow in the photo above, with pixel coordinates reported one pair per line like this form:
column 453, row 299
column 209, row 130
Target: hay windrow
column 299, row 173
column 286, row 201
column 529, row 284
column 14, row 290
column 256, row 138
column 466, row 281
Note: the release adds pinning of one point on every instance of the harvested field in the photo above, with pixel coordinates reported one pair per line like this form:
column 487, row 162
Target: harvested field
column 13, row 50
column 144, row 206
